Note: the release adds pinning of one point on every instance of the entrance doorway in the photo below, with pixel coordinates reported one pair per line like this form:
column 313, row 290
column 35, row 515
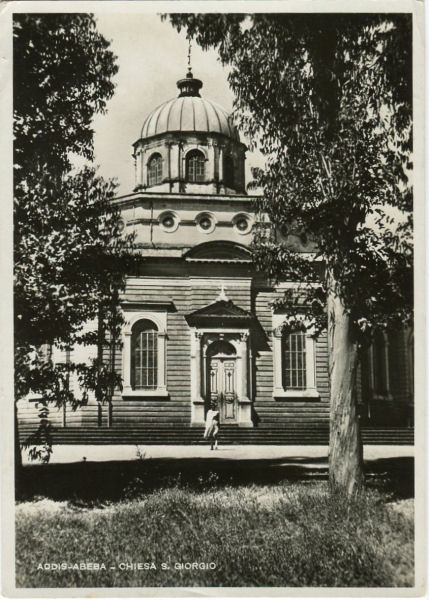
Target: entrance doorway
column 222, row 381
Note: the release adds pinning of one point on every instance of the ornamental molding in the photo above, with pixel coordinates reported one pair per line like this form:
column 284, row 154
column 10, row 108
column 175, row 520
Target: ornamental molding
column 159, row 318
column 277, row 331
column 132, row 304
column 284, row 323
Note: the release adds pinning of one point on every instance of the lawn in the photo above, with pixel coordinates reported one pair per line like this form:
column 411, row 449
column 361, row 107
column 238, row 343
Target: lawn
column 291, row 533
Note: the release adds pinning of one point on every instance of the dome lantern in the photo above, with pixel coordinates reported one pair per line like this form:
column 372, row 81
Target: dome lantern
column 189, row 86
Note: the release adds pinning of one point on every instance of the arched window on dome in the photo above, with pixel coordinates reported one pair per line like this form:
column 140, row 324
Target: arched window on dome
column 144, row 355
column 228, row 170
column 154, row 170
column 195, row 166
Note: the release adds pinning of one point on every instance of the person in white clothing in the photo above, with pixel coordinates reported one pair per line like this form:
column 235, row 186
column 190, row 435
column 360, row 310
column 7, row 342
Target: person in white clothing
column 212, row 427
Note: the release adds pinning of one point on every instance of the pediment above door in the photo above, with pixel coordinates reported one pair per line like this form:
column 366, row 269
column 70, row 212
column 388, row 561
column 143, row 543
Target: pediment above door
column 220, row 313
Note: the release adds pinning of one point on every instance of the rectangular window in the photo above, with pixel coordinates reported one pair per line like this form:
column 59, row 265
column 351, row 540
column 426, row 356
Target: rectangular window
column 294, row 361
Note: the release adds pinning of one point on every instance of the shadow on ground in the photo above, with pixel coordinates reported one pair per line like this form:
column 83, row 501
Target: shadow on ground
column 113, row 480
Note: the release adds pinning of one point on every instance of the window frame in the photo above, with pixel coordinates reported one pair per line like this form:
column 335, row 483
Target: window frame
column 155, row 157
column 382, row 361
column 279, row 390
column 198, row 178
column 296, row 341
column 205, row 215
column 144, row 355
column 159, row 319
column 174, row 216
column 243, row 216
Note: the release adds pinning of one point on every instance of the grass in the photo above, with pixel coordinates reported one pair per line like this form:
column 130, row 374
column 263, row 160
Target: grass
column 283, row 534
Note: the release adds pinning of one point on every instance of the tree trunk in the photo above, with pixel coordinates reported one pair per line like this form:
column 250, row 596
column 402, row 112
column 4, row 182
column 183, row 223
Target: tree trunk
column 18, row 456
column 345, row 445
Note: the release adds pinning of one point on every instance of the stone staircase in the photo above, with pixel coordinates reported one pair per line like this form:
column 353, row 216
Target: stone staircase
column 293, row 434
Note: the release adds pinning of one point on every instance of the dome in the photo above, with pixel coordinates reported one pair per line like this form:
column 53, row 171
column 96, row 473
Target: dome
column 190, row 145
column 189, row 112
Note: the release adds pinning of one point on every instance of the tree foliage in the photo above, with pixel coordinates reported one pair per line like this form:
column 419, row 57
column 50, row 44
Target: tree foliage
column 327, row 99
column 62, row 71
column 70, row 253
column 70, row 261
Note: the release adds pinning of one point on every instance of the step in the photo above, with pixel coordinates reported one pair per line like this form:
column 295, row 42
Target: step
column 229, row 434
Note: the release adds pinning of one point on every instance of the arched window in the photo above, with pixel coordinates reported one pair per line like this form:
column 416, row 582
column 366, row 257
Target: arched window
column 294, row 361
column 144, row 355
column 195, row 165
column 154, row 170
column 228, row 170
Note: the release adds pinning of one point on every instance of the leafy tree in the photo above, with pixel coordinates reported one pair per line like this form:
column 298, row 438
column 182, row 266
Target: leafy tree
column 70, row 253
column 327, row 98
column 62, row 71
column 70, row 259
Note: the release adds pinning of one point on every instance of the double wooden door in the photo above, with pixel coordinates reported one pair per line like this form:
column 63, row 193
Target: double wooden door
column 222, row 388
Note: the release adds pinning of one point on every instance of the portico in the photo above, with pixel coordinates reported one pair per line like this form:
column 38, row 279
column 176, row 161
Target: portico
column 221, row 362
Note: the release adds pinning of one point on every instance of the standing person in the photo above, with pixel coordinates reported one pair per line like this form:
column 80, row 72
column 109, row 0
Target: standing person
column 212, row 426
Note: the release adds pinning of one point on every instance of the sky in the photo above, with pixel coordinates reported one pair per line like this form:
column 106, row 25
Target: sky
column 151, row 56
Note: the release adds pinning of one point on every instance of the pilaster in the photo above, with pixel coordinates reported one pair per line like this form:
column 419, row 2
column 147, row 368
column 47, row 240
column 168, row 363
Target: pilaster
column 197, row 409
column 244, row 404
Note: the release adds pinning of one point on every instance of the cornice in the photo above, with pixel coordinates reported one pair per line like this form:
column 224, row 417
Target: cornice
column 180, row 136
column 137, row 197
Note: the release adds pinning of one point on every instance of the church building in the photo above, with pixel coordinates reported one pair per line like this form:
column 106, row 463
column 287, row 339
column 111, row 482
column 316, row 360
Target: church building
column 200, row 327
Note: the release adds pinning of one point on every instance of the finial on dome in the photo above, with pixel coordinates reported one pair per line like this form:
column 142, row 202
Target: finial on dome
column 189, row 57
column 189, row 86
